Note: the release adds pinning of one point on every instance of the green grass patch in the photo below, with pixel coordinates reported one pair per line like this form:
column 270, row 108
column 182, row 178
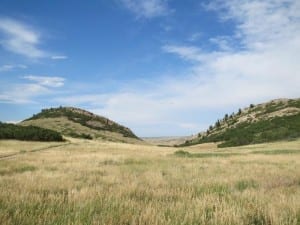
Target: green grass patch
column 215, row 189
column 109, row 162
column 135, row 162
column 182, row 153
column 24, row 168
column 257, row 217
column 277, row 152
column 242, row 185
column 51, row 168
column 10, row 169
column 186, row 154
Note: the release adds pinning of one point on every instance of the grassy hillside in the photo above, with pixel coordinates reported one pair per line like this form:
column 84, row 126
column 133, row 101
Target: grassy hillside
column 29, row 133
column 92, row 182
column 79, row 123
column 272, row 121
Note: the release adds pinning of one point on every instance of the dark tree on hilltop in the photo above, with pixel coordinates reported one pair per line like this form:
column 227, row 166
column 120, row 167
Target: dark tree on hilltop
column 218, row 124
column 226, row 117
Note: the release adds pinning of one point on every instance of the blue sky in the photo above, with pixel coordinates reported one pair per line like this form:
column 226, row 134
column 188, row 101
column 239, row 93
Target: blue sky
column 160, row 67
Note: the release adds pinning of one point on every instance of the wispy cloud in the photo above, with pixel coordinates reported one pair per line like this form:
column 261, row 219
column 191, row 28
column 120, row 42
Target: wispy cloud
column 9, row 67
column 195, row 36
column 260, row 22
column 192, row 53
column 31, row 90
column 257, row 62
column 22, row 93
column 147, row 9
column 21, row 39
column 46, row 81
column 222, row 42
column 59, row 57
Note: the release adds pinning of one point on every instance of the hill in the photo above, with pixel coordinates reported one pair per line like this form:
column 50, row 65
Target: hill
column 272, row 121
column 29, row 133
column 79, row 123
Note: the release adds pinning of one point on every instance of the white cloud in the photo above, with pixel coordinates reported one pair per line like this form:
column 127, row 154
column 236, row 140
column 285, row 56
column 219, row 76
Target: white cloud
column 260, row 22
column 195, row 37
column 148, row 8
column 59, row 57
column 24, row 93
column 186, row 52
column 46, row 81
column 264, row 66
column 9, row 67
column 21, row 39
column 222, row 42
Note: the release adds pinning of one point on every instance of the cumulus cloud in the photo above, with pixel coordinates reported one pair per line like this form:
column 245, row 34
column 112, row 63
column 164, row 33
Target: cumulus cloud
column 147, row 9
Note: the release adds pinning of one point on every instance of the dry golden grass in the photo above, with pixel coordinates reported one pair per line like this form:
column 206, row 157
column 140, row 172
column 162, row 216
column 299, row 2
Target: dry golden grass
column 11, row 146
column 90, row 182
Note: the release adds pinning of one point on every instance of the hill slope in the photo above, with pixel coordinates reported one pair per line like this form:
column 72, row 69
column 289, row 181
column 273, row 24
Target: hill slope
column 78, row 123
column 276, row 120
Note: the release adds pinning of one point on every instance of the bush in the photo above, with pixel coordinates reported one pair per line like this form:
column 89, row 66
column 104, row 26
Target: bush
column 28, row 133
column 82, row 135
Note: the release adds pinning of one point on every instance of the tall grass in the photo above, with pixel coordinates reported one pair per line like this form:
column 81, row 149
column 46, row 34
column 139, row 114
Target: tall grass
column 111, row 183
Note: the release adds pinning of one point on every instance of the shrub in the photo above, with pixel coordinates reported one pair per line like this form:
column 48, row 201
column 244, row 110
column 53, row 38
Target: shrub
column 28, row 133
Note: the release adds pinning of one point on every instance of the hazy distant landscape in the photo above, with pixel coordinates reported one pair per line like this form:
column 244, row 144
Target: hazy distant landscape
column 150, row 112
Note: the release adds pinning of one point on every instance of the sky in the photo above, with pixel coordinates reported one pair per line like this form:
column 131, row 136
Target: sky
column 159, row 67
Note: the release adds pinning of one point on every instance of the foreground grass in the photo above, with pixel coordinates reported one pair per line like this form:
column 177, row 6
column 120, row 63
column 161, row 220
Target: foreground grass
column 90, row 182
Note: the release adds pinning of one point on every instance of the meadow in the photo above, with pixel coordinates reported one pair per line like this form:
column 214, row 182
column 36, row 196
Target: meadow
column 93, row 182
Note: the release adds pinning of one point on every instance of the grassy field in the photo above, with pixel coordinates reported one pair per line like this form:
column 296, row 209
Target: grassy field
column 90, row 182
